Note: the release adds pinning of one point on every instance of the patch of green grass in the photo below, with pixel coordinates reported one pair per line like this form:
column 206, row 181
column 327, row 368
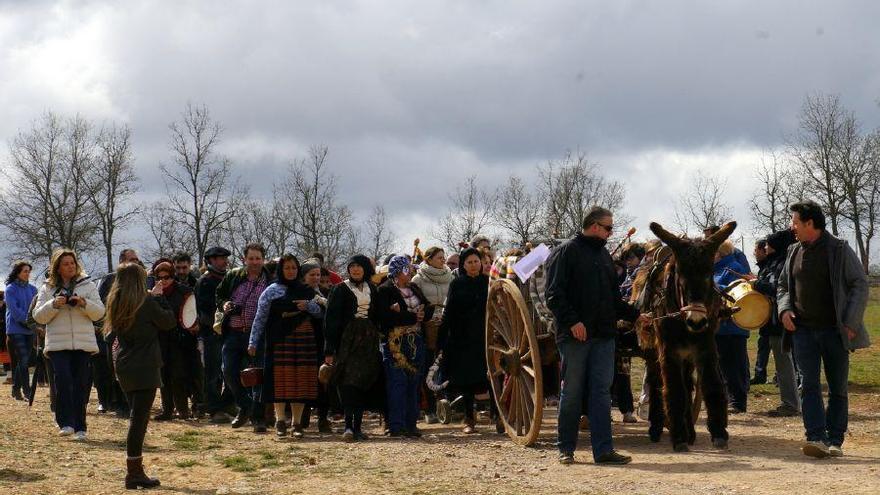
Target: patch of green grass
column 187, row 463
column 239, row 464
column 188, row 440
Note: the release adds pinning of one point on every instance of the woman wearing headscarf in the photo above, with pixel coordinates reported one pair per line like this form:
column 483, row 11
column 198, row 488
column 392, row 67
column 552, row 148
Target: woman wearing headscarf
column 283, row 332
column 138, row 319
column 310, row 272
column 351, row 342
column 433, row 278
column 463, row 333
column 402, row 308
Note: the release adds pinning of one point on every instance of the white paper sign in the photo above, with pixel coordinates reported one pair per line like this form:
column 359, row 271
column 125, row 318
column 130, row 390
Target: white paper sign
column 529, row 264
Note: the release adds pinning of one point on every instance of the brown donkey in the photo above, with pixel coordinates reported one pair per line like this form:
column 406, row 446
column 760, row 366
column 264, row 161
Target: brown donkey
column 679, row 291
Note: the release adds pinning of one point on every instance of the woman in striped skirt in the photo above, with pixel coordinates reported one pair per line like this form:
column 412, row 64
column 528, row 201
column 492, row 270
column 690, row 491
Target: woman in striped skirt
column 283, row 332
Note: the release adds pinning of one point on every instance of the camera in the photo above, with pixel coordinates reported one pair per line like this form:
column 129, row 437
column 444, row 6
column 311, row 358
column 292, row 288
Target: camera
column 68, row 294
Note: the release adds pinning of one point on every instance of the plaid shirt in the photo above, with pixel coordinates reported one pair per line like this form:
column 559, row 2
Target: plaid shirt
column 246, row 295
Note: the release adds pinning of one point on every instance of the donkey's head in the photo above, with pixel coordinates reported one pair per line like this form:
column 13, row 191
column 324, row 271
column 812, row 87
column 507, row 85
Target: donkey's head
column 694, row 261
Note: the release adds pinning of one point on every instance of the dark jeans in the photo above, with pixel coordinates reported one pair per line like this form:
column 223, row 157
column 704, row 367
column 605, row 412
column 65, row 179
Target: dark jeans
column 762, row 358
column 587, row 368
column 401, row 386
column 21, row 346
column 103, row 375
column 815, row 347
column 216, row 396
column 733, row 357
column 235, row 359
column 622, row 385
column 140, row 402
column 73, row 384
column 354, row 401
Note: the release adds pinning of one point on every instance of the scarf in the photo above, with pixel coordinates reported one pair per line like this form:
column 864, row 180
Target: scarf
column 437, row 276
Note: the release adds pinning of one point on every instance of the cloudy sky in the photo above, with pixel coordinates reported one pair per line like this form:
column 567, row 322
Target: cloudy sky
column 411, row 97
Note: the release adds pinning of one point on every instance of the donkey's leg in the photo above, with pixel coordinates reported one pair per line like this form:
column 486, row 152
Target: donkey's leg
column 689, row 396
column 715, row 396
column 674, row 398
column 656, row 415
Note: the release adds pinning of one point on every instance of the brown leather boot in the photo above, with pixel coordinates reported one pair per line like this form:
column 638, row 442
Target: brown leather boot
column 136, row 478
column 469, row 426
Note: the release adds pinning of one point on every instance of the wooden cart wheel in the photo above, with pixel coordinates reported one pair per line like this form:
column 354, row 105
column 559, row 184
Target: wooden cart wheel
column 514, row 362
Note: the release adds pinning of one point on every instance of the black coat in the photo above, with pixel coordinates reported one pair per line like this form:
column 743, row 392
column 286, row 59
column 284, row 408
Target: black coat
column 582, row 287
column 205, row 292
column 386, row 296
column 137, row 356
column 463, row 331
column 768, row 279
column 341, row 311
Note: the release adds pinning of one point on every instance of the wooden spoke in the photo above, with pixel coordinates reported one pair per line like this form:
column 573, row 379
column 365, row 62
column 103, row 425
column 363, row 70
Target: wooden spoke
column 523, row 341
column 529, row 371
column 503, row 329
column 495, row 348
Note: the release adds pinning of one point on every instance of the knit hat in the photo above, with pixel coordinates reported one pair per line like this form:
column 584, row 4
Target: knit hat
column 398, row 265
column 780, row 241
column 309, row 265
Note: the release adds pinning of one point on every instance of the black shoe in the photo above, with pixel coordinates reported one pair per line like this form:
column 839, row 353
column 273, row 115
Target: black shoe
column 324, row 426
column 758, row 380
column 735, row 410
column 613, row 458
column 783, row 411
column 566, row 458
column 396, row 434
column 260, row 427
column 220, row 418
column 281, row 428
column 240, row 420
column 361, row 436
column 163, row 416
column 16, row 394
column 414, row 433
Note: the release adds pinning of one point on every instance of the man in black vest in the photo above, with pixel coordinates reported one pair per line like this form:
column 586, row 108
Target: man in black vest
column 217, row 397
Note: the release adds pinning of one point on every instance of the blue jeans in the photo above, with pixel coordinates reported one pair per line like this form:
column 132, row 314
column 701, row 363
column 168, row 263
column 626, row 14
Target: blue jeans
column 587, row 367
column 21, row 345
column 401, row 386
column 235, row 359
column 813, row 348
column 73, row 384
column 733, row 357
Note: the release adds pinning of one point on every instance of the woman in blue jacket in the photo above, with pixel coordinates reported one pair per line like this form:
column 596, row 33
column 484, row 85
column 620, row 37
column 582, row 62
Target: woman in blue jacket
column 19, row 294
column 732, row 340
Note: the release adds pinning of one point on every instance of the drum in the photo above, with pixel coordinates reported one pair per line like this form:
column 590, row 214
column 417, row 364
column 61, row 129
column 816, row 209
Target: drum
column 754, row 307
column 189, row 315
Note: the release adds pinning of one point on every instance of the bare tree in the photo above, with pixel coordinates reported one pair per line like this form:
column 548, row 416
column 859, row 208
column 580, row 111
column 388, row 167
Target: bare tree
column 379, row 238
column 815, row 150
column 777, row 189
column 702, row 205
column 470, row 214
column 50, row 180
column 202, row 191
column 319, row 222
column 518, row 210
column 266, row 222
column 116, row 182
column 570, row 187
column 164, row 225
column 856, row 173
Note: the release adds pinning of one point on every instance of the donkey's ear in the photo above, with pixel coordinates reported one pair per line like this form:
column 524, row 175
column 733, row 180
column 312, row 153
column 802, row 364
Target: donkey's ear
column 664, row 235
column 723, row 233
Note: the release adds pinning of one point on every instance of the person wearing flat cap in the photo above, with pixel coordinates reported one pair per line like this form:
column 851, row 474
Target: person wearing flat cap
column 217, row 397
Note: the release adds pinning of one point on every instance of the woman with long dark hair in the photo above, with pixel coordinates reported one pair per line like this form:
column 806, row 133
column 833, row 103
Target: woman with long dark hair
column 283, row 332
column 351, row 341
column 137, row 317
column 19, row 294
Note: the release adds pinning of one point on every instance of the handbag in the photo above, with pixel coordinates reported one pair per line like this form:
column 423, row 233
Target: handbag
column 251, row 377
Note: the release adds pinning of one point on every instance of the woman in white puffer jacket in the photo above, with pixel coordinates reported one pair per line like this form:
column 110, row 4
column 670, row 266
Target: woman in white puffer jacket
column 68, row 304
column 433, row 277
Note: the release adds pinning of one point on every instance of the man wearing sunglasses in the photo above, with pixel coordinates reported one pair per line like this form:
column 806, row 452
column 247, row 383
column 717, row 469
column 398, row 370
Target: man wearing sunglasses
column 583, row 295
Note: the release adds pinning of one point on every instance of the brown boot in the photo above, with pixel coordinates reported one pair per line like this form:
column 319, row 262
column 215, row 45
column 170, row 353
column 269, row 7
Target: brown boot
column 469, row 426
column 136, row 478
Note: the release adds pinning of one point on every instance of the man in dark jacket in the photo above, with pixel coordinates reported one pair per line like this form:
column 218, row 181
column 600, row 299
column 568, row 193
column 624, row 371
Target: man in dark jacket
column 822, row 295
column 583, row 295
column 217, row 397
column 775, row 248
column 763, row 356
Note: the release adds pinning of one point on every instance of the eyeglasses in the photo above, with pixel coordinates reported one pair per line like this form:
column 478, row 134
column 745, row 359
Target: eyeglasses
column 166, row 277
column 608, row 228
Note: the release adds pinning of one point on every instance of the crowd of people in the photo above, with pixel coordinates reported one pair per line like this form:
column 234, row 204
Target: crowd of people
column 269, row 342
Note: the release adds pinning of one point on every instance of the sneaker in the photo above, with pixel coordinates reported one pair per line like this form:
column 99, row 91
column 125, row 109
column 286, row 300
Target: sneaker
column 240, row 420
column 79, row 436
column 566, row 458
column 297, row 432
column 783, row 411
column 348, row 436
column 66, row 431
column 630, row 418
column 281, row 428
column 431, row 419
column 835, row 451
column 102, row 409
column 16, row 394
column 613, row 458
column 816, row 449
